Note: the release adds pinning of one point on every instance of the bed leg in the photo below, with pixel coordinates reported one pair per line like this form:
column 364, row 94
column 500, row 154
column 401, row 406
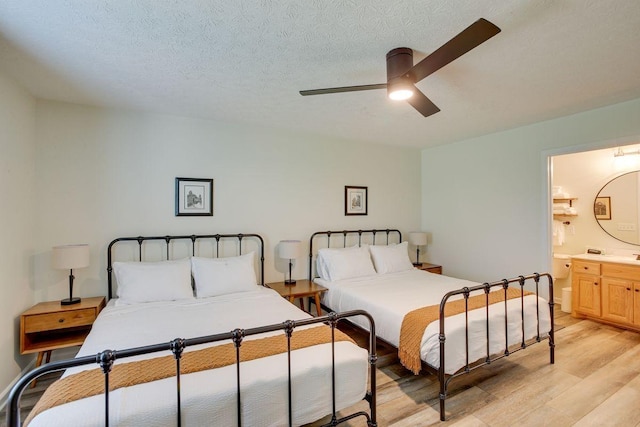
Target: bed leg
column 442, row 411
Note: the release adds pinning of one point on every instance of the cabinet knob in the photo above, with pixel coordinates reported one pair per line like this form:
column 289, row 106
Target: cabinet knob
column 628, row 289
column 637, row 290
column 595, row 283
column 60, row 320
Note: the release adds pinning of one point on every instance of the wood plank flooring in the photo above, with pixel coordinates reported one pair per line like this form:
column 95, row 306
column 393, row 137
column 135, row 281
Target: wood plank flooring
column 594, row 382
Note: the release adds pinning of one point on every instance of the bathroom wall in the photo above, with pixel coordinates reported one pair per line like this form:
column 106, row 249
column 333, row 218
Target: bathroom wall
column 582, row 175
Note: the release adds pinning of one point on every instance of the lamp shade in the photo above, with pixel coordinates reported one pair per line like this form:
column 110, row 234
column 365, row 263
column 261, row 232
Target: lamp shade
column 418, row 238
column 70, row 256
column 289, row 249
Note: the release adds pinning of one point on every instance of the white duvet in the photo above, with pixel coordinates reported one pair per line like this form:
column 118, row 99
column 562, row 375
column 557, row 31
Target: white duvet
column 388, row 297
column 209, row 397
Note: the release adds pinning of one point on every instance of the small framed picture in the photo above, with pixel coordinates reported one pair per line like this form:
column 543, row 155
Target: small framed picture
column 602, row 207
column 194, row 197
column 355, row 200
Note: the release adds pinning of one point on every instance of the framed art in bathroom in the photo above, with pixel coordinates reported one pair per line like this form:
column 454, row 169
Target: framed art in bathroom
column 602, row 207
column 194, row 197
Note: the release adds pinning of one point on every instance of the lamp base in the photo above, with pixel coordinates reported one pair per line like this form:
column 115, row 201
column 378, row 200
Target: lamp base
column 417, row 264
column 69, row 301
column 290, row 282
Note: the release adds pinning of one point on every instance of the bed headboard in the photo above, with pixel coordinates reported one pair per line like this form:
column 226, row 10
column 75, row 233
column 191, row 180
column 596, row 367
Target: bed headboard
column 183, row 246
column 385, row 236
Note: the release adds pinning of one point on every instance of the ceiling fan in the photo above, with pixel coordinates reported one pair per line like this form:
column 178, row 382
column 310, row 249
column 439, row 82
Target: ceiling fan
column 402, row 74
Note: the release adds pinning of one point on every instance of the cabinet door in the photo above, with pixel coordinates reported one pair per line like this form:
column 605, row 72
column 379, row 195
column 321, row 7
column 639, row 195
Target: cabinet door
column 636, row 304
column 617, row 300
column 587, row 294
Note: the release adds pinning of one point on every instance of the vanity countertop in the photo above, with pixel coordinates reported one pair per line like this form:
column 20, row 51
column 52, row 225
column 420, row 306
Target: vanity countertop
column 621, row 259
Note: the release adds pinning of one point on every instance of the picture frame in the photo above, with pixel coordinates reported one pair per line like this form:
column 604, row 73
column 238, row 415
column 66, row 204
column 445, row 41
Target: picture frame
column 356, row 200
column 194, row 197
column 602, row 208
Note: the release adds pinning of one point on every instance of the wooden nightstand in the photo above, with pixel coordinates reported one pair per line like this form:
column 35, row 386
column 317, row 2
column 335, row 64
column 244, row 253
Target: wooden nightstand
column 431, row 268
column 302, row 288
column 49, row 326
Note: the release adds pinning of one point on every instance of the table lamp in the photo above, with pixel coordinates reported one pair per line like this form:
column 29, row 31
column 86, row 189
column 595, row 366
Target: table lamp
column 70, row 257
column 418, row 238
column 289, row 249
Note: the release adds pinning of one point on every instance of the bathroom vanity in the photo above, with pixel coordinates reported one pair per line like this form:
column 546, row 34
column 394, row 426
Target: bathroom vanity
column 607, row 289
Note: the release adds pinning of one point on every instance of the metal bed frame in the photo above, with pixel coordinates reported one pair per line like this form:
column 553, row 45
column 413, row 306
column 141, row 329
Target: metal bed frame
column 106, row 358
column 509, row 348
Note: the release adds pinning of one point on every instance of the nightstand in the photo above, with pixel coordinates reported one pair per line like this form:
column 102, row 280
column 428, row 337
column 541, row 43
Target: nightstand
column 302, row 288
column 48, row 326
column 431, row 268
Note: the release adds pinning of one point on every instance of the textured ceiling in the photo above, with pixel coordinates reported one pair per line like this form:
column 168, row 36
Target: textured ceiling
column 245, row 61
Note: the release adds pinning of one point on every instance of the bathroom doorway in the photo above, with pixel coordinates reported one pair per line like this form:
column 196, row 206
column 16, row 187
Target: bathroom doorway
column 575, row 181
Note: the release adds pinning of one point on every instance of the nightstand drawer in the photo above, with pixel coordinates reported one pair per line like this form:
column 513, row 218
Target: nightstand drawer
column 60, row 320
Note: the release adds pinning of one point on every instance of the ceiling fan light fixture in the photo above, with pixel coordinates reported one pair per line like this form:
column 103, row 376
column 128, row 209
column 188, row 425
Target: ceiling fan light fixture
column 400, row 90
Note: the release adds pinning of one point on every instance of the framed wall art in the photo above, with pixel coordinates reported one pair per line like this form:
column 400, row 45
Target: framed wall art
column 194, row 197
column 602, row 207
column 355, row 200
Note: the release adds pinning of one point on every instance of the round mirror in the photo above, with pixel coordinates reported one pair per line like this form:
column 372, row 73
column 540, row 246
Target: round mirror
column 616, row 208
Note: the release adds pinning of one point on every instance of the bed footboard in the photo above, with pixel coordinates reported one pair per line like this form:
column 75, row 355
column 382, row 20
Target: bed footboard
column 509, row 348
column 106, row 359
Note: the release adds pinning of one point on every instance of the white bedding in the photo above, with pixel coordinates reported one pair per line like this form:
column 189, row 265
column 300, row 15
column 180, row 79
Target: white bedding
column 389, row 297
column 209, row 397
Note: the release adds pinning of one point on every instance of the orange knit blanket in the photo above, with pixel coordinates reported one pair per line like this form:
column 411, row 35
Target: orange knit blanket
column 91, row 382
column 416, row 321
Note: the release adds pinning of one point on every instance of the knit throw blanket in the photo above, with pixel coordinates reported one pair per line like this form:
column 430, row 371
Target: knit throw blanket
column 416, row 321
column 91, row 382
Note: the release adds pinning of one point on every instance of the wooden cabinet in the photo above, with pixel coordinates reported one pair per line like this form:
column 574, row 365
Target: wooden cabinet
column 609, row 292
column 617, row 300
column 636, row 303
column 302, row 288
column 431, row 268
column 49, row 325
column 587, row 294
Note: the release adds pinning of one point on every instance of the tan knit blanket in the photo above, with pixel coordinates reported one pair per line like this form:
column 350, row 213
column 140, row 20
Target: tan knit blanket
column 91, row 382
column 416, row 321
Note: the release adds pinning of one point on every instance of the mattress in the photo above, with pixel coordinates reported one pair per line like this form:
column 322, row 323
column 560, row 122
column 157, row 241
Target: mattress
column 389, row 297
column 209, row 397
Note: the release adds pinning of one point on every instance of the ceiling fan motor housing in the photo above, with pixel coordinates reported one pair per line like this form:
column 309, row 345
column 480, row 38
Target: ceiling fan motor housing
column 399, row 62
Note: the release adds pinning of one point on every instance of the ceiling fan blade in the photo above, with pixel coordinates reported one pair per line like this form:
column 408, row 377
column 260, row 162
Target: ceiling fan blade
column 420, row 102
column 471, row 37
column 342, row 89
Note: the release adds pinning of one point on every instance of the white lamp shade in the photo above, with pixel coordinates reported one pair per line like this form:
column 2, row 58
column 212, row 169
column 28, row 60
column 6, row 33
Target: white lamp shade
column 289, row 249
column 418, row 238
column 68, row 257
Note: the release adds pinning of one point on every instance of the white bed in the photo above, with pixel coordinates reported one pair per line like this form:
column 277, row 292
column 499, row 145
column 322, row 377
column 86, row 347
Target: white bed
column 192, row 297
column 389, row 297
column 208, row 397
column 365, row 273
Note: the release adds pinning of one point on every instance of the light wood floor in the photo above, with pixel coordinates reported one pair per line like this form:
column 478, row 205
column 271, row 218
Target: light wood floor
column 594, row 382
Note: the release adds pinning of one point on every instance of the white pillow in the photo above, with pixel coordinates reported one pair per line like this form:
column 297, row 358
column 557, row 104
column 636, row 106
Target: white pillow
column 219, row 276
column 391, row 258
column 344, row 263
column 153, row 281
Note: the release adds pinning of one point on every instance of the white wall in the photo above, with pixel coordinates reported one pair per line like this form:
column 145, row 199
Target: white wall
column 485, row 200
column 104, row 174
column 17, row 219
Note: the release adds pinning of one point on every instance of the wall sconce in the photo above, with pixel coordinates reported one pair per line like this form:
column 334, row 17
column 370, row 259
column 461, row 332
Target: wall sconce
column 68, row 257
column 418, row 238
column 289, row 249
